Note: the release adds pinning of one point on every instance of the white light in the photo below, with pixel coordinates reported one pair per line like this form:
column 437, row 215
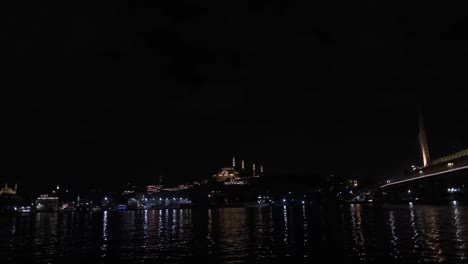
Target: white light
column 425, row 176
column 409, row 191
column 284, row 200
column 454, row 202
column 411, row 203
column 303, row 202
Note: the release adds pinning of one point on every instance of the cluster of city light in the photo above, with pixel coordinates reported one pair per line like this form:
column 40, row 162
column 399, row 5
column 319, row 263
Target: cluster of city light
column 23, row 209
column 453, row 190
column 234, row 183
column 153, row 188
column 263, row 199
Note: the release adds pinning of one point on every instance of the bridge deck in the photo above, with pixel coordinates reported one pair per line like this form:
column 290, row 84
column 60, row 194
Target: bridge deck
column 432, row 171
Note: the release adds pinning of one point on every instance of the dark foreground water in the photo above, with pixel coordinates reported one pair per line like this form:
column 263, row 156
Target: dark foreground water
column 359, row 233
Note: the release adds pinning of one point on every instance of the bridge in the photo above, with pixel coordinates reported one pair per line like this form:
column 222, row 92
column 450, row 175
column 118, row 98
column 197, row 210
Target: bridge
column 441, row 179
column 429, row 183
column 451, row 165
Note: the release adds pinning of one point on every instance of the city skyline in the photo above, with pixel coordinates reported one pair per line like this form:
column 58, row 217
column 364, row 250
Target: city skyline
column 127, row 94
column 234, row 132
column 211, row 166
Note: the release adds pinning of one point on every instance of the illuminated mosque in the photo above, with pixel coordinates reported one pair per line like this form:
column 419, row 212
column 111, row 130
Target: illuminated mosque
column 229, row 175
column 9, row 190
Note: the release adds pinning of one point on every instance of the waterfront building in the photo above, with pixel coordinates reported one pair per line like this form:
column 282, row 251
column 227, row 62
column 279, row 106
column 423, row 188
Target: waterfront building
column 47, row 203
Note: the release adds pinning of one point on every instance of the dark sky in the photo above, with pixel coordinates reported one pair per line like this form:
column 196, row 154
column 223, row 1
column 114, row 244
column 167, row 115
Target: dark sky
column 112, row 92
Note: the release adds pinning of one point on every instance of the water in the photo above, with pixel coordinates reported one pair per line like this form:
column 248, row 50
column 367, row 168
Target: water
column 353, row 233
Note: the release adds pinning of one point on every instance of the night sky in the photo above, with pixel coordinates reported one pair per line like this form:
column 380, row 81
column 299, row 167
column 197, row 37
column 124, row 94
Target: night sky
column 110, row 93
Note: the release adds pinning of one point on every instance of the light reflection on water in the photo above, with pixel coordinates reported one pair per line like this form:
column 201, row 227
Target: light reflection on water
column 354, row 233
column 458, row 240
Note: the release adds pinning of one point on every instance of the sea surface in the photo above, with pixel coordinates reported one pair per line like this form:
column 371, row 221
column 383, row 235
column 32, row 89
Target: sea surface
column 310, row 234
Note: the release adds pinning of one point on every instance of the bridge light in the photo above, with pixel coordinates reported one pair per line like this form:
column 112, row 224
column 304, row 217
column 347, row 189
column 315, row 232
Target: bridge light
column 450, row 164
column 409, row 191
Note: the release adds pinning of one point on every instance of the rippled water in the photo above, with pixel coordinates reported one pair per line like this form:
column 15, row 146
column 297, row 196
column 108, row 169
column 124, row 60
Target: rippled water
column 354, row 233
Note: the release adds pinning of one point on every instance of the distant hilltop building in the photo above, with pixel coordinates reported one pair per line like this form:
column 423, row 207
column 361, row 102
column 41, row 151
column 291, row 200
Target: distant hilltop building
column 226, row 174
column 230, row 174
column 8, row 190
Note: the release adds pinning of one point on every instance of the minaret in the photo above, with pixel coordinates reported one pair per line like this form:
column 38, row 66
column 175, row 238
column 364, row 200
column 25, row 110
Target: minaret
column 243, row 167
column 261, row 170
column 422, row 140
column 234, row 162
column 254, row 169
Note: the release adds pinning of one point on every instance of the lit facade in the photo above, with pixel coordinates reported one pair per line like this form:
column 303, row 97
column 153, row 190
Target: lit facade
column 8, row 190
column 226, row 174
